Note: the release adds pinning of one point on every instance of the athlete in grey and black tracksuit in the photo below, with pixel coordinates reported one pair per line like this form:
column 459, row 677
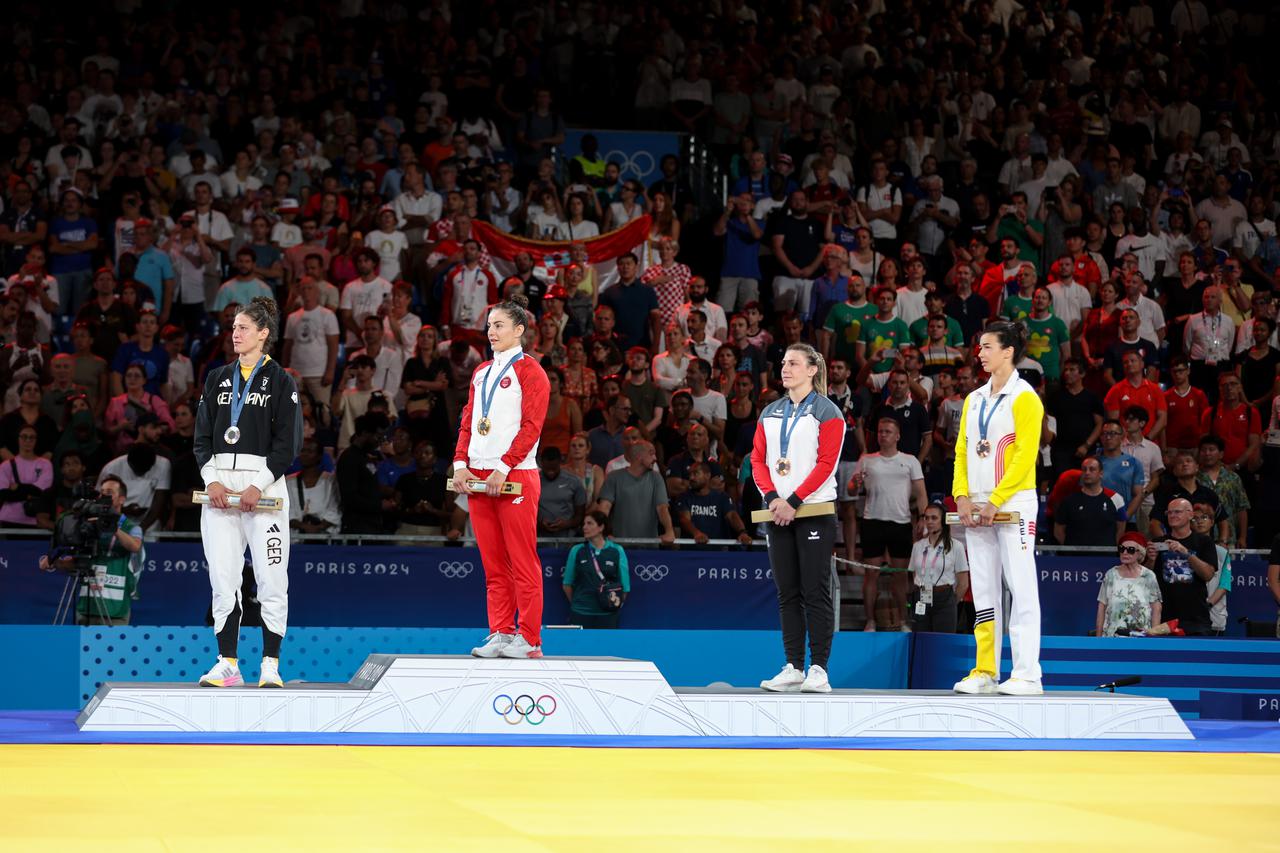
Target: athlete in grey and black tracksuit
column 248, row 431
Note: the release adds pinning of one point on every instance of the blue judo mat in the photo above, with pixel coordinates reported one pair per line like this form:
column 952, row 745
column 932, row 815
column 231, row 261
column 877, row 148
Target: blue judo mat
column 1211, row 736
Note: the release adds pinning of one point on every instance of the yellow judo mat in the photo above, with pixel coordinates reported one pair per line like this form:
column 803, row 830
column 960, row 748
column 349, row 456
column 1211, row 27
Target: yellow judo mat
column 506, row 800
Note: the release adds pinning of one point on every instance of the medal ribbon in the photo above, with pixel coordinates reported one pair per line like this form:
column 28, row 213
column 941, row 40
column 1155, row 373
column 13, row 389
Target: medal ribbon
column 984, row 420
column 238, row 394
column 787, row 418
column 487, row 393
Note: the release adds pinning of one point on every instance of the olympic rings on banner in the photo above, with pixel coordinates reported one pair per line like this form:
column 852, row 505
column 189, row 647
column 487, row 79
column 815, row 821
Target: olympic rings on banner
column 456, row 569
column 524, row 708
column 650, row 572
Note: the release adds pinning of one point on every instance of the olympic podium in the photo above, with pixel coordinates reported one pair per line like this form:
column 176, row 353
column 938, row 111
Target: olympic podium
column 449, row 694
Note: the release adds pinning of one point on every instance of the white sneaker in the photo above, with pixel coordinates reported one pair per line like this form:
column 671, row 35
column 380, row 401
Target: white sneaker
column 976, row 683
column 1021, row 687
column 904, row 628
column 519, row 648
column 869, row 626
column 816, row 681
column 493, row 646
column 225, row 673
column 270, row 676
column 787, row 681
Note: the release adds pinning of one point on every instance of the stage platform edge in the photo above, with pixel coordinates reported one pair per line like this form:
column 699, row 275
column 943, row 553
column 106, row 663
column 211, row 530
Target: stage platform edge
column 454, row 694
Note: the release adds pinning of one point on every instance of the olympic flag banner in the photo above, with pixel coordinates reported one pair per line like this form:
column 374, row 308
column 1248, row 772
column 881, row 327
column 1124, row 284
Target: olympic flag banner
column 550, row 256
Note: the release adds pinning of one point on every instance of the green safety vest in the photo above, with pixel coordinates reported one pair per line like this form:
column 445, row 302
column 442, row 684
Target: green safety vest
column 112, row 584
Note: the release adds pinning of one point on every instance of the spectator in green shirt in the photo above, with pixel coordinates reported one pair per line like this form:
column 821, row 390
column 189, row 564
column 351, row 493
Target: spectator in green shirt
column 883, row 333
column 935, row 303
column 1048, row 341
column 839, row 335
column 1018, row 305
column 1017, row 223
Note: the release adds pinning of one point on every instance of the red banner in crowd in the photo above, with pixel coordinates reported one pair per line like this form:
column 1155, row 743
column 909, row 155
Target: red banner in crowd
column 553, row 254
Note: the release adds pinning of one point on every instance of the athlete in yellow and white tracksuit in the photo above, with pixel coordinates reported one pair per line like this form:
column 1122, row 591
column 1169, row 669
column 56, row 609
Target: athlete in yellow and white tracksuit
column 1006, row 478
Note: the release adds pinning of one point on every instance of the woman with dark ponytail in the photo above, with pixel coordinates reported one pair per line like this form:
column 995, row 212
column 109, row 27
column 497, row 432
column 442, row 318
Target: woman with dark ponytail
column 996, row 452
column 248, row 431
column 498, row 441
column 941, row 573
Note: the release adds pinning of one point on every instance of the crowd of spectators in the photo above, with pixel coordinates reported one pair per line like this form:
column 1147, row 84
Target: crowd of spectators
column 896, row 176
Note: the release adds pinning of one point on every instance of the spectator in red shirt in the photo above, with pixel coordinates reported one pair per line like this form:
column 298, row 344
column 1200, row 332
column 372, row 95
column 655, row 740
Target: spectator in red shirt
column 995, row 280
column 1087, row 272
column 1187, row 406
column 1136, row 390
column 1235, row 422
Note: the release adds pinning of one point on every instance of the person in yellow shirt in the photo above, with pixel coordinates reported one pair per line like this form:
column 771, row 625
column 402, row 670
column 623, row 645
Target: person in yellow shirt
column 995, row 471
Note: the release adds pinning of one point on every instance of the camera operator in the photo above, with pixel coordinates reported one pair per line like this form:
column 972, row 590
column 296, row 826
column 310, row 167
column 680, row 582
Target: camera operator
column 116, row 561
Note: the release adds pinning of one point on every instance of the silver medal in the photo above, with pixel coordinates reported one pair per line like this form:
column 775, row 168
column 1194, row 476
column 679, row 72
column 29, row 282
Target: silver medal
column 232, row 435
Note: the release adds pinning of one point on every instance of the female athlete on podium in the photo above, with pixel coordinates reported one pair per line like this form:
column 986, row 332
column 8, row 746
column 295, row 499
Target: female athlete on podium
column 248, row 432
column 498, row 442
column 793, row 462
column 996, row 452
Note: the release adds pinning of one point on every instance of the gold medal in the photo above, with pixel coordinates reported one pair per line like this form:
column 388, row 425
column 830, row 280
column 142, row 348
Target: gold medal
column 984, row 448
column 483, row 426
column 784, row 466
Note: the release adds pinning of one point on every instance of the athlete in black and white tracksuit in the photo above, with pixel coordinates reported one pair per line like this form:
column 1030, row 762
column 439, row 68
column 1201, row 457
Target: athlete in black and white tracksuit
column 270, row 434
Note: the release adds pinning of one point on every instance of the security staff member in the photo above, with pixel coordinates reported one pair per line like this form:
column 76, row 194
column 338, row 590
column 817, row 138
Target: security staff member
column 996, row 452
column 248, row 432
column 793, row 462
column 498, row 441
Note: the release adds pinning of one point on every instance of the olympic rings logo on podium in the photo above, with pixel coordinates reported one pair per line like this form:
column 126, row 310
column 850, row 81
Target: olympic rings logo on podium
column 650, row 573
column 524, row 708
column 456, row 569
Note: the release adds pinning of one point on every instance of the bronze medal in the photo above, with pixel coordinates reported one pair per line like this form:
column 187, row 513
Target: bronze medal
column 784, row 466
column 984, row 448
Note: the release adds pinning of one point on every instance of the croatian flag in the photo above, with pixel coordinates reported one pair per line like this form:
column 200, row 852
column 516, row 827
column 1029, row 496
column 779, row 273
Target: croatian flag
column 550, row 256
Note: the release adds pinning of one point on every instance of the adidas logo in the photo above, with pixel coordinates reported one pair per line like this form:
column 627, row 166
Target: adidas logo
column 275, row 528
column 226, row 383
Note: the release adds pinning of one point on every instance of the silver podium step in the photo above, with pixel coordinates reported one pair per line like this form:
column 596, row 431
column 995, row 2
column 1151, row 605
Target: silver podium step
column 446, row 694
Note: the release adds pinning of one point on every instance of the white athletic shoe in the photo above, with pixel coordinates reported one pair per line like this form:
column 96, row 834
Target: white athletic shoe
column 270, row 676
column 519, row 648
column 1020, row 687
column 225, row 673
column 816, row 681
column 976, row 683
column 493, row 646
column 787, row 681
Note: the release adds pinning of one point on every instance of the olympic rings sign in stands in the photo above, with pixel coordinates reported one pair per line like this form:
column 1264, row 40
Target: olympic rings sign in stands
column 455, row 569
column 524, row 708
column 650, row 573
column 639, row 163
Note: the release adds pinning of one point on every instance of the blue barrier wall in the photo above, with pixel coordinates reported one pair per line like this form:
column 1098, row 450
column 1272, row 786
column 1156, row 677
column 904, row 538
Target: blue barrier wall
column 1176, row 668
column 61, row 667
column 66, row 665
column 417, row 587
column 344, row 586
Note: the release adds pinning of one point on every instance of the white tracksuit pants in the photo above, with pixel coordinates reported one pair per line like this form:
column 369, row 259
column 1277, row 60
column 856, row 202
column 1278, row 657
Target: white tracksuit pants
column 226, row 534
column 1006, row 552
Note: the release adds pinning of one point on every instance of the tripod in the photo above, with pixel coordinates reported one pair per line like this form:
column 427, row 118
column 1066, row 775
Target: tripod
column 80, row 582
